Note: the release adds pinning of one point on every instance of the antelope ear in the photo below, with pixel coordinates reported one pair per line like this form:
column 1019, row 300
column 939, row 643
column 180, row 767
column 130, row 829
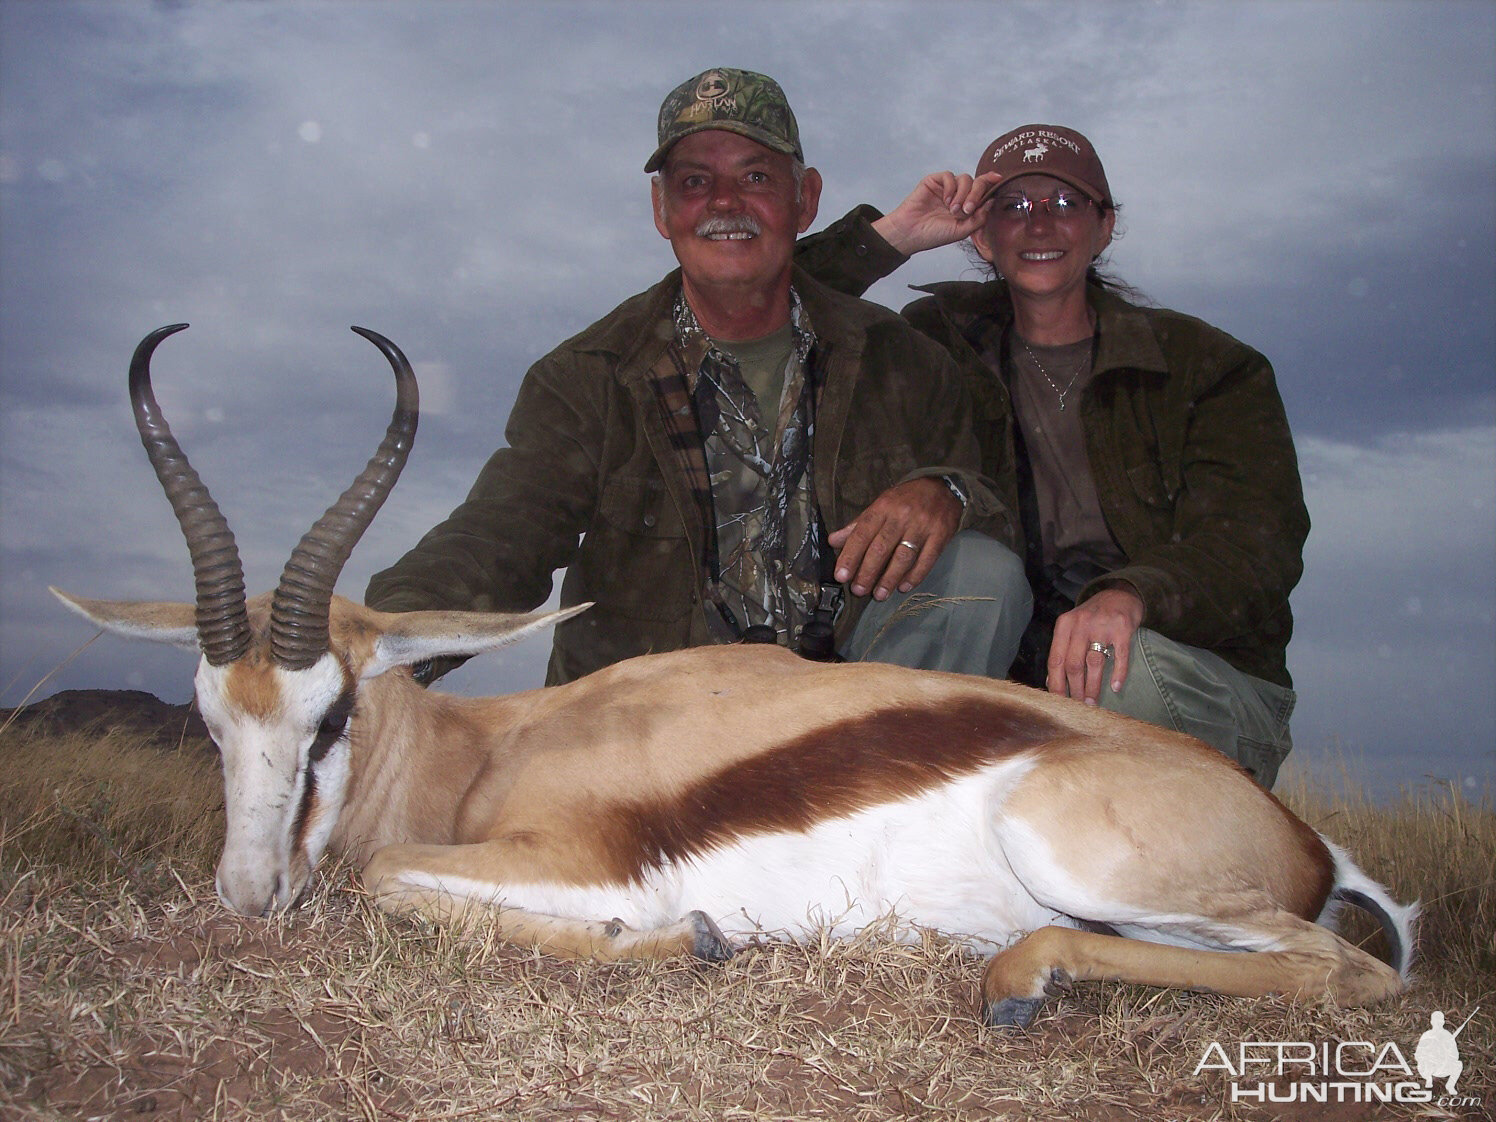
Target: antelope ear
column 160, row 622
column 411, row 637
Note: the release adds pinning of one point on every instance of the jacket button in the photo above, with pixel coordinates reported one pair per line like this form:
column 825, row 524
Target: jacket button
column 649, row 520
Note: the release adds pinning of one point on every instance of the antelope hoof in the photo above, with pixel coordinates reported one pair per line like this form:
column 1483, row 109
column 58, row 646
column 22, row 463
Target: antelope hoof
column 709, row 944
column 1011, row 1012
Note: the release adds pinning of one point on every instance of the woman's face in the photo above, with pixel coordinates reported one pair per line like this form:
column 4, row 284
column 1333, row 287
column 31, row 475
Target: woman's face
column 1040, row 254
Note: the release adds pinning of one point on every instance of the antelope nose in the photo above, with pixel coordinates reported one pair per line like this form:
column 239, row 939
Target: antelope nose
column 247, row 895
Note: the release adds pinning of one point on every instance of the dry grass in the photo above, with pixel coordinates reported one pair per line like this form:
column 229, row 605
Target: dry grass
column 128, row 992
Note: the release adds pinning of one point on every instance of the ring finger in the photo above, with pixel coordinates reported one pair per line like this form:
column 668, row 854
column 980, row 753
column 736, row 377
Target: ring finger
column 903, row 558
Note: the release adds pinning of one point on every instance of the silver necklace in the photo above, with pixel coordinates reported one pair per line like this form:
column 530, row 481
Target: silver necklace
column 1070, row 385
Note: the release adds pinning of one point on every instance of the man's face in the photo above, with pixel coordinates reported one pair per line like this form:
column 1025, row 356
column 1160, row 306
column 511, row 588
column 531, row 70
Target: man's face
column 731, row 210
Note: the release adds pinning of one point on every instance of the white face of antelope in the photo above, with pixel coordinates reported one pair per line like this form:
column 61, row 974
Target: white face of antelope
column 283, row 735
column 277, row 705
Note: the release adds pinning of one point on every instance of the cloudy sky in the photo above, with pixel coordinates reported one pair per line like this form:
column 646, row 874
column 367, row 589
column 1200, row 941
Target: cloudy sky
column 1318, row 179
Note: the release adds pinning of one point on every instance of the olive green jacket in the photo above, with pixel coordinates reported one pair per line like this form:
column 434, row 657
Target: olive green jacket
column 588, row 458
column 1186, row 436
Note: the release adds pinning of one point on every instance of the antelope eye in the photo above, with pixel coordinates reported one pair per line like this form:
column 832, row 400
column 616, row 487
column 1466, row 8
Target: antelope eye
column 330, row 730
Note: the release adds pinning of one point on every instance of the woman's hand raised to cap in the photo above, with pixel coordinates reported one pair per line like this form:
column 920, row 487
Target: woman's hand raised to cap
column 944, row 207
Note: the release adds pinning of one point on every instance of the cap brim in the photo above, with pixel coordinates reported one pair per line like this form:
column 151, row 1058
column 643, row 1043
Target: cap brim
column 768, row 140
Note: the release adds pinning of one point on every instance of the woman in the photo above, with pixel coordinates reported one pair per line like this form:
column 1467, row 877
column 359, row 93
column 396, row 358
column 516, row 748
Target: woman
column 1147, row 453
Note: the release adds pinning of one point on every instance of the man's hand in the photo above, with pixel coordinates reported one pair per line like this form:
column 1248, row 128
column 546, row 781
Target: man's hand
column 943, row 208
column 1110, row 618
column 895, row 542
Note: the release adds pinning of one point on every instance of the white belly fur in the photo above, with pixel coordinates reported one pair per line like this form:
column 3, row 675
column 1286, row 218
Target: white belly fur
column 933, row 862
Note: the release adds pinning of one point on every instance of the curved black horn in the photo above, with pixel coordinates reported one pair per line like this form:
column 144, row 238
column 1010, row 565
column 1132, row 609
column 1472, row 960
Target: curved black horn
column 222, row 622
column 298, row 612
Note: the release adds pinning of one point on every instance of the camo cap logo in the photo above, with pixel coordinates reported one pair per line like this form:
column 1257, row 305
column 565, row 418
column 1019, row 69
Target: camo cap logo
column 712, row 87
column 739, row 101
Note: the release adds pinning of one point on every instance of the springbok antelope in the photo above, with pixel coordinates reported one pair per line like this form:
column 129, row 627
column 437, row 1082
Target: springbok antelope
column 672, row 803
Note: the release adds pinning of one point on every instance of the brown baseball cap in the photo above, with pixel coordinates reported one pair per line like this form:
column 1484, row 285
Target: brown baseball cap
column 1050, row 150
column 739, row 101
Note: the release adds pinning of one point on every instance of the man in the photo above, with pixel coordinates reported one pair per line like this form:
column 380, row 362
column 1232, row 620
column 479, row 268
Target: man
column 734, row 445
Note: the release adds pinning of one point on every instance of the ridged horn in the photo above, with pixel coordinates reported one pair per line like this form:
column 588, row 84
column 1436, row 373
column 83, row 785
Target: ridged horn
column 299, row 609
column 222, row 622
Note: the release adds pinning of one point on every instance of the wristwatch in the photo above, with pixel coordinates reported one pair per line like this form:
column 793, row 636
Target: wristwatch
column 956, row 489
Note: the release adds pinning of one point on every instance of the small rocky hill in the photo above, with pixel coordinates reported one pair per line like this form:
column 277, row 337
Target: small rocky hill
column 140, row 712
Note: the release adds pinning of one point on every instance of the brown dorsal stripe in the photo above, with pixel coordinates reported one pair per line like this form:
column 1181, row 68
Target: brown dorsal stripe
column 832, row 772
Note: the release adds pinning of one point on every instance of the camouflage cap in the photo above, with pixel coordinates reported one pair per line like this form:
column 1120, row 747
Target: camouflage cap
column 739, row 101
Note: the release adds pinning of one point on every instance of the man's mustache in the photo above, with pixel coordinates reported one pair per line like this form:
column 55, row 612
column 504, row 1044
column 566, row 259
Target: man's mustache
column 728, row 224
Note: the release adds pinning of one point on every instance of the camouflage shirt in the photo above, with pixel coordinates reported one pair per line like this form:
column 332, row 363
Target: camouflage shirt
column 767, row 567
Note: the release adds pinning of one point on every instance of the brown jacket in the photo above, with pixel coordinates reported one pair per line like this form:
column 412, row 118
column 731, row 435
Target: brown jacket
column 1186, row 436
column 588, row 458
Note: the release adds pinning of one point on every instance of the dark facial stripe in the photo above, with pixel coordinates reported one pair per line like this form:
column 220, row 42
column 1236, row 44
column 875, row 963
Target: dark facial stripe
column 334, row 721
column 832, row 772
column 331, row 729
column 304, row 811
